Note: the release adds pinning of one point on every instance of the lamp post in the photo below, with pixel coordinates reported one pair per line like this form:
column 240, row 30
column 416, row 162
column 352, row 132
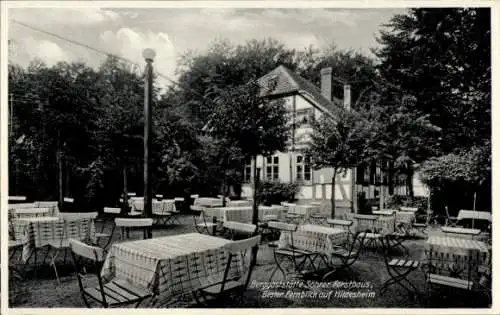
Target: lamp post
column 148, row 55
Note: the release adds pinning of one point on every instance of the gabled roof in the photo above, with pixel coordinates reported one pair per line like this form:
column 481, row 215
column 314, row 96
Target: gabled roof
column 283, row 82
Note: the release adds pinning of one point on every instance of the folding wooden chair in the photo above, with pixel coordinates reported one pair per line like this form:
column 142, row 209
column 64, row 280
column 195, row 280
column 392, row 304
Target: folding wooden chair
column 450, row 221
column 422, row 227
column 160, row 213
column 116, row 292
column 110, row 214
column 398, row 269
column 263, row 228
column 70, row 227
column 223, row 289
column 436, row 275
column 366, row 223
column 201, row 225
column 125, row 224
column 289, row 253
column 347, row 254
column 14, row 246
column 344, row 224
column 234, row 229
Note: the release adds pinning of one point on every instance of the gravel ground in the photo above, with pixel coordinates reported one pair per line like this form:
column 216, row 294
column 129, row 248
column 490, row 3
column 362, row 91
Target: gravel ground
column 43, row 290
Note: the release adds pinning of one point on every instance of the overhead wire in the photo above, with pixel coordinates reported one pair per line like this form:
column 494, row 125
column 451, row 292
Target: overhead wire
column 104, row 53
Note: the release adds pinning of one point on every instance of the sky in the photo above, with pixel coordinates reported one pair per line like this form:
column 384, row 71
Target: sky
column 174, row 31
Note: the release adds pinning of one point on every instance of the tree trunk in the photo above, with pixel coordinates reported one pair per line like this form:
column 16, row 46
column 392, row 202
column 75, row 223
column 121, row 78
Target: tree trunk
column 60, row 171
column 333, row 192
column 224, row 189
column 255, row 214
column 67, row 179
column 409, row 182
column 125, row 192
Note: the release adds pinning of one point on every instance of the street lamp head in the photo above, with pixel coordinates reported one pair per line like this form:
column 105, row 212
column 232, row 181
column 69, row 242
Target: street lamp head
column 148, row 54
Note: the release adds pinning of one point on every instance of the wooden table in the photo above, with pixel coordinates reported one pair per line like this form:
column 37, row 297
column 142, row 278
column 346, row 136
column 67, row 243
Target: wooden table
column 170, row 265
column 460, row 231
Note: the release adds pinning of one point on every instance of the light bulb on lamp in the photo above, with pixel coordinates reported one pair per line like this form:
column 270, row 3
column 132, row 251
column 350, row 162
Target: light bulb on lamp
column 149, row 54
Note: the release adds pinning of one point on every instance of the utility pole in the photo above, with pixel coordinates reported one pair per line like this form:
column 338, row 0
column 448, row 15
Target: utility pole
column 148, row 55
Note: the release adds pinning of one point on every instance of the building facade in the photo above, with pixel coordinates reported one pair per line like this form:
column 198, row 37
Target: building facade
column 304, row 100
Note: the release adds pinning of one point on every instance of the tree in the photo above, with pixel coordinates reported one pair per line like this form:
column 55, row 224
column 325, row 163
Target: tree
column 203, row 76
column 469, row 169
column 442, row 57
column 120, row 132
column 251, row 123
column 340, row 142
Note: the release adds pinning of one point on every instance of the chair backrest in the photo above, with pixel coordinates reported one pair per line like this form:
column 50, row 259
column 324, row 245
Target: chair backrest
column 133, row 222
column 408, row 209
column 236, row 247
column 282, row 226
column 22, row 205
column 90, row 252
column 112, row 210
column 240, row 227
column 17, row 198
column 356, row 246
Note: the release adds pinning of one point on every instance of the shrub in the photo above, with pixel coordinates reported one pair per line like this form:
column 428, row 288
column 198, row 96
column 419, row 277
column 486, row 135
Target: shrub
column 396, row 201
column 275, row 192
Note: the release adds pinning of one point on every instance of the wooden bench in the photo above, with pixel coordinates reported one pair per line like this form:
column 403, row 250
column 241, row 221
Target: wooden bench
column 450, row 282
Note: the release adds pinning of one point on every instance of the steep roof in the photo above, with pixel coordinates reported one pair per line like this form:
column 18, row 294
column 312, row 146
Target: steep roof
column 282, row 82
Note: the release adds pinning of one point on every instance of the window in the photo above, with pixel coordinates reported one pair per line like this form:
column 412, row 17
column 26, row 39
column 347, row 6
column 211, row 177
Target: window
column 303, row 116
column 272, row 168
column 303, row 168
column 247, row 172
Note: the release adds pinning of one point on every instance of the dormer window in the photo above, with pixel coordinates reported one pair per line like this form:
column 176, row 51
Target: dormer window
column 272, row 82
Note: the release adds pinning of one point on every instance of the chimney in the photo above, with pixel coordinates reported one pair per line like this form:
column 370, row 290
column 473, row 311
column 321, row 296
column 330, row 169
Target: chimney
column 326, row 83
column 347, row 96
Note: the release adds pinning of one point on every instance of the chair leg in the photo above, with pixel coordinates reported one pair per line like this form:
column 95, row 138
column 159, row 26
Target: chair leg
column 53, row 263
column 86, row 301
column 139, row 303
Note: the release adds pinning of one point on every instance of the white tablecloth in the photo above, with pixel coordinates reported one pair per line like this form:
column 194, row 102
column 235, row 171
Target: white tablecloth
column 37, row 232
column 315, row 238
column 242, row 214
column 170, row 265
column 447, row 253
column 304, row 210
column 240, row 203
column 476, row 215
column 207, row 202
column 159, row 207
